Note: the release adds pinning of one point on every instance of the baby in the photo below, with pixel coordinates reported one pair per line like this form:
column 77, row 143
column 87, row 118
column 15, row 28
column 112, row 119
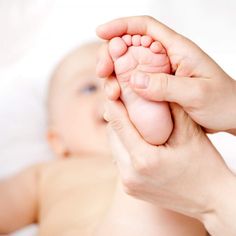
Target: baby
column 80, row 192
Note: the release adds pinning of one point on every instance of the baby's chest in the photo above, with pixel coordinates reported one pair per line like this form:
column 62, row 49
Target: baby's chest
column 75, row 198
column 68, row 211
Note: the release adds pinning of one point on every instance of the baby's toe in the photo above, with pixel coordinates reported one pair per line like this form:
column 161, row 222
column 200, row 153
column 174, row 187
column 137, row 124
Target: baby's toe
column 146, row 41
column 127, row 39
column 156, row 47
column 136, row 40
column 117, row 48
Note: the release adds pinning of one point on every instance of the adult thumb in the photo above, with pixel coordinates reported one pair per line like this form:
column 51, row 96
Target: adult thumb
column 165, row 87
column 184, row 127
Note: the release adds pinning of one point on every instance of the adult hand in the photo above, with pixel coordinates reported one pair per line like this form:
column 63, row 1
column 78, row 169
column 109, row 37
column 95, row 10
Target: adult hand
column 186, row 175
column 198, row 84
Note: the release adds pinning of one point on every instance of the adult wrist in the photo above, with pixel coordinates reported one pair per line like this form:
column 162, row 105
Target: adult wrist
column 220, row 220
column 214, row 174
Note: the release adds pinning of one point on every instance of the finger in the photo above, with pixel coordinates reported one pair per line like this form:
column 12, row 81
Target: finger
column 118, row 120
column 128, row 174
column 185, row 128
column 112, row 88
column 185, row 91
column 142, row 155
column 119, row 153
column 105, row 65
column 143, row 25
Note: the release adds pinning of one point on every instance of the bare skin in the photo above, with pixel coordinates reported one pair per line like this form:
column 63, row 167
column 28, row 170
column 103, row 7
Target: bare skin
column 80, row 192
column 63, row 202
column 203, row 83
column 132, row 53
column 59, row 195
column 73, row 194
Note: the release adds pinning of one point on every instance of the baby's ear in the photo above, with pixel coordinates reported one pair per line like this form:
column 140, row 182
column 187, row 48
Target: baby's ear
column 57, row 144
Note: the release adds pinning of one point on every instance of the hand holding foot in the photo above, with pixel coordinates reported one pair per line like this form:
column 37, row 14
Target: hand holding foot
column 200, row 86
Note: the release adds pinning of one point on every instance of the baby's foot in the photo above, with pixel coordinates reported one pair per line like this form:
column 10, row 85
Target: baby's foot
column 131, row 53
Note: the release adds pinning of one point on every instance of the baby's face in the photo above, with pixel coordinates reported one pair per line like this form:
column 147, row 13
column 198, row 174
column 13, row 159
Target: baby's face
column 78, row 112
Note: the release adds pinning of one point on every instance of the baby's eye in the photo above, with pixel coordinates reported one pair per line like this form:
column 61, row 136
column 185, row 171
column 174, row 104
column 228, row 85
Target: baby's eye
column 89, row 88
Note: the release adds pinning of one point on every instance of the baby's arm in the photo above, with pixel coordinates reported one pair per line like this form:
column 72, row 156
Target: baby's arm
column 19, row 200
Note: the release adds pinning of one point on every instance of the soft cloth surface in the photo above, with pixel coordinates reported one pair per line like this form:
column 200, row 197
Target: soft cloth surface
column 23, row 124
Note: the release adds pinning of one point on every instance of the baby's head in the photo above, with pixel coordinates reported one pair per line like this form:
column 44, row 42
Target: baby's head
column 75, row 106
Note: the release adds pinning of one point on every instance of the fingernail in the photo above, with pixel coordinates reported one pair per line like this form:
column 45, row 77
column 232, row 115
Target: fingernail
column 140, row 80
column 106, row 114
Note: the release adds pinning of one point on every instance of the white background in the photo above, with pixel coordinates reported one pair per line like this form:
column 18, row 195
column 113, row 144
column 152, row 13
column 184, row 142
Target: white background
column 36, row 34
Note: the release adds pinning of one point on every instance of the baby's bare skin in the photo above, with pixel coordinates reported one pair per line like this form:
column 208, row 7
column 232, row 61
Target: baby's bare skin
column 141, row 53
column 74, row 195
column 78, row 193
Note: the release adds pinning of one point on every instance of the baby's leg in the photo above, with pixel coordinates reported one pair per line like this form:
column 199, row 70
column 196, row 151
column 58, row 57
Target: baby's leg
column 132, row 53
column 129, row 216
